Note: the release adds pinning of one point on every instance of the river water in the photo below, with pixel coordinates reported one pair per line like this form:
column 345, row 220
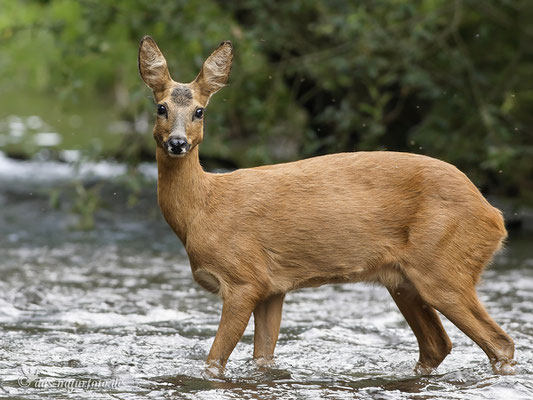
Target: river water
column 114, row 313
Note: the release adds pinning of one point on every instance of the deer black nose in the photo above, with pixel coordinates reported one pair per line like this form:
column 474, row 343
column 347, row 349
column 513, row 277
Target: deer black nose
column 177, row 146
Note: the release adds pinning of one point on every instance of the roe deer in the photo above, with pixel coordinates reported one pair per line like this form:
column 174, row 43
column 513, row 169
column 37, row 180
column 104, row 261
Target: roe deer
column 415, row 224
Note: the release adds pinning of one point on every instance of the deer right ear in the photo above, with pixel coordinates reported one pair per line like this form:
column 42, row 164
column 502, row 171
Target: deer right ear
column 152, row 65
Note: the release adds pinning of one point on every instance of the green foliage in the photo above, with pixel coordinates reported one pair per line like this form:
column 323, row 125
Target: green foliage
column 89, row 49
column 86, row 203
column 451, row 79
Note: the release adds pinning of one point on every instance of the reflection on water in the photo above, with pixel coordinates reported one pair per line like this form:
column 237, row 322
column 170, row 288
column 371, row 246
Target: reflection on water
column 115, row 312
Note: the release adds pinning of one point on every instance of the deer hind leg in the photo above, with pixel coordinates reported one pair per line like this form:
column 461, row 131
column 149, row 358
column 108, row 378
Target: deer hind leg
column 267, row 319
column 456, row 298
column 433, row 342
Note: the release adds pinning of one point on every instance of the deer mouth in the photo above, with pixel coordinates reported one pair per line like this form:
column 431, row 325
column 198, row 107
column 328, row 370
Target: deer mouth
column 176, row 155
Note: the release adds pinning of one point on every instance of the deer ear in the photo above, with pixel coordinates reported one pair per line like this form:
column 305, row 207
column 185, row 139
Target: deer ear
column 152, row 65
column 215, row 71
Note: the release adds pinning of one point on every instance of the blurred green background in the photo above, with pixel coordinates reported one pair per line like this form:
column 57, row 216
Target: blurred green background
column 449, row 79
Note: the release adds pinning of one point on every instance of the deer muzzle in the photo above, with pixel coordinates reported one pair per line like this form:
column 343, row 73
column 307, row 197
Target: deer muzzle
column 177, row 146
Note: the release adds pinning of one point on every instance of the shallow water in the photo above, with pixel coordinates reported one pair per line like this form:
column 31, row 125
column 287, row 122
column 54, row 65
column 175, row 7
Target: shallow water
column 114, row 313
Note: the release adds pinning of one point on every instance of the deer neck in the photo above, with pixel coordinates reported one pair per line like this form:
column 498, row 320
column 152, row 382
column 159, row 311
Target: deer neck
column 182, row 189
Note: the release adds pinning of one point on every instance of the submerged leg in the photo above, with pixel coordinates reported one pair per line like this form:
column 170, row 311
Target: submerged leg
column 433, row 342
column 236, row 313
column 457, row 300
column 267, row 318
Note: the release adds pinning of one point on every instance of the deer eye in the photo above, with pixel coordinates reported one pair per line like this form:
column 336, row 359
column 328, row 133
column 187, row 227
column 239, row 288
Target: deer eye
column 199, row 113
column 161, row 109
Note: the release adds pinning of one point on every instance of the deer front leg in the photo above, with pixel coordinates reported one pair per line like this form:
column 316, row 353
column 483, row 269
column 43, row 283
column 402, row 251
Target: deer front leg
column 236, row 312
column 267, row 319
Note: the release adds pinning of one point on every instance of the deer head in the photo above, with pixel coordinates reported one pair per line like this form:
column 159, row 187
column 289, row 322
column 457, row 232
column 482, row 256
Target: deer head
column 180, row 107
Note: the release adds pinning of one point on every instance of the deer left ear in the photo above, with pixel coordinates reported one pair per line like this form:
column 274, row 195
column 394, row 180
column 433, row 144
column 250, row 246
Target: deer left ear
column 152, row 65
column 215, row 71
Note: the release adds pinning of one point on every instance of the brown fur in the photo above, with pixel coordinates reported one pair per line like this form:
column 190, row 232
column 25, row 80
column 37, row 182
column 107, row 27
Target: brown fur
column 412, row 223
